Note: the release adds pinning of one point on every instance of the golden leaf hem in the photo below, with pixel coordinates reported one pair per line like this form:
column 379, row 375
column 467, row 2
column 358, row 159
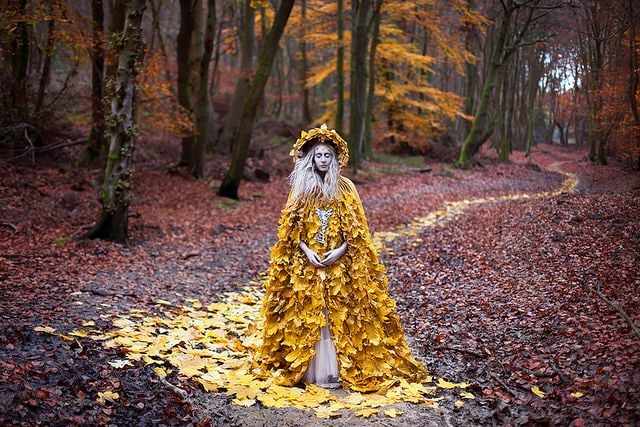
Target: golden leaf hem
column 370, row 345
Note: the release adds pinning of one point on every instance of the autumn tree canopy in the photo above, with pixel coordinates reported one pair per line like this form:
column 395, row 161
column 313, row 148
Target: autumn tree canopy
column 392, row 75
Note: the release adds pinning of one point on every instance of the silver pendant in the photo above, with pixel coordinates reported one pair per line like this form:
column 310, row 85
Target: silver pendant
column 323, row 215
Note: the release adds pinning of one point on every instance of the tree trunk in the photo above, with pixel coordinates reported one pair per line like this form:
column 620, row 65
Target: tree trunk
column 360, row 12
column 232, row 121
column 368, row 114
column 535, row 68
column 116, row 192
column 306, row 111
column 19, row 55
column 202, row 111
column 340, row 70
column 46, row 68
column 481, row 129
column 96, row 144
column 231, row 181
column 504, row 114
column 185, row 34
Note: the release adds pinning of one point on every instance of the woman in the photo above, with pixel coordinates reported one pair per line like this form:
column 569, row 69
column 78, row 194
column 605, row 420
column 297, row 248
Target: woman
column 327, row 313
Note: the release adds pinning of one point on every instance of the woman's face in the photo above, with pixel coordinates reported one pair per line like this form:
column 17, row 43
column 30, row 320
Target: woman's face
column 322, row 158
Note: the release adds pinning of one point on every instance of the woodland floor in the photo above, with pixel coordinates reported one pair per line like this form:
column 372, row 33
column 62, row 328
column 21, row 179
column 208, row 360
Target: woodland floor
column 501, row 296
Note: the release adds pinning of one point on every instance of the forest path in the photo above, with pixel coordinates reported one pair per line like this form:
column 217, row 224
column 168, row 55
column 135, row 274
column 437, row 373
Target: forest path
column 486, row 298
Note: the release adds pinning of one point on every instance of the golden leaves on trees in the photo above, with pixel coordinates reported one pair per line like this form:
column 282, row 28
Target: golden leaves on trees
column 160, row 108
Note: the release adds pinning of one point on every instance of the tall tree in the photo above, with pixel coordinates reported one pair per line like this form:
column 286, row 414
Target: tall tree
column 116, row 194
column 232, row 121
column 19, row 59
column 202, row 104
column 368, row 116
column 361, row 20
column 231, row 181
column 306, row 111
column 96, row 143
column 512, row 30
column 340, row 69
column 103, row 72
column 184, row 41
column 48, row 56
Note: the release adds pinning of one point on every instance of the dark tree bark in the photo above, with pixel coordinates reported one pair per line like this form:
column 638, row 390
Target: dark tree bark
column 185, row 34
column 96, row 144
column 116, row 191
column 306, row 111
column 512, row 26
column 232, row 121
column 19, row 61
column 201, row 110
column 46, row 67
column 361, row 13
column 340, row 70
column 368, row 114
column 231, row 181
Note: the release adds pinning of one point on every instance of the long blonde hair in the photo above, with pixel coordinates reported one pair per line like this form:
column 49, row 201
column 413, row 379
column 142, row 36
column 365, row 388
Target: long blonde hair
column 307, row 183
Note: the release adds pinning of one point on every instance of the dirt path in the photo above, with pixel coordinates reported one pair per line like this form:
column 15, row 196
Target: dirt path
column 494, row 297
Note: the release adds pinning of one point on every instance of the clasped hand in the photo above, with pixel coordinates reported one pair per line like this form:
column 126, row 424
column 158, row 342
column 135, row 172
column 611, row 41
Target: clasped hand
column 329, row 257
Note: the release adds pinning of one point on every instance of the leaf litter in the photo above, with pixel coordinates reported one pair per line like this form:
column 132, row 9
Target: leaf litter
column 582, row 379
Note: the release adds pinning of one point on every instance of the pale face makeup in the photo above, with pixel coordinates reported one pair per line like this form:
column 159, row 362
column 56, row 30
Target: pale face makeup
column 322, row 158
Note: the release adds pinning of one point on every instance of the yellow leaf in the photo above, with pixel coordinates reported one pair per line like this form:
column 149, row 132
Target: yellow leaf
column 107, row 396
column 244, row 401
column 577, row 394
column 79, row 333
column 46, row 329
column 537, row 391
column 89, row 323
column 326, row 412
column 121, row 363
column 392, row 412
column 161, row 371
column 442, row 383
column 366, row 412
column 163, row 302
column 458, row 403
column 467, row 395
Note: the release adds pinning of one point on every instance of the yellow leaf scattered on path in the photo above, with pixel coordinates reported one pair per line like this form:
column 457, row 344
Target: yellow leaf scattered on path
column 577, row 394
column 89, row 323
column 121, row 363
column 467, row 395
column 45, row 329
column 538, row 392
column 161, row 372
column 107, row 396
column 458, row 403
column 366, row 412
column 325, row 412
column 393, row 412
column 163, row 302
column 212, row 344
column 442, row 383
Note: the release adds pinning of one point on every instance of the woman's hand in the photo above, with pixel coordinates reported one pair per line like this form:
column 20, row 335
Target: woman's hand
column 311, row 255
column 333, row 255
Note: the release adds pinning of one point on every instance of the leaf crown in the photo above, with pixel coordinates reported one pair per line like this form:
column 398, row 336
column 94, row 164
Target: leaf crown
column 317, row 135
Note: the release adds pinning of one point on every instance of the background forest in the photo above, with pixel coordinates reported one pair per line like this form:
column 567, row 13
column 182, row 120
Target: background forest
column 431, row 77
column 495, row 145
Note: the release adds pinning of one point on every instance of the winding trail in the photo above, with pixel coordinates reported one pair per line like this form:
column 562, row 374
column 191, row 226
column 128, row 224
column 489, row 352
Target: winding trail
column 453, row 210
column 224, row 333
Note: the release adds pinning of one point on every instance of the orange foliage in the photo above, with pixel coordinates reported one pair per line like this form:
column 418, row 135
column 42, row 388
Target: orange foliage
column 617, row 114
column 159, row 108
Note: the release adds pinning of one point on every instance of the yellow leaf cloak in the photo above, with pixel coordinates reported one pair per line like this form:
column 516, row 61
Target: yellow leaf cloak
column 370, row 344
